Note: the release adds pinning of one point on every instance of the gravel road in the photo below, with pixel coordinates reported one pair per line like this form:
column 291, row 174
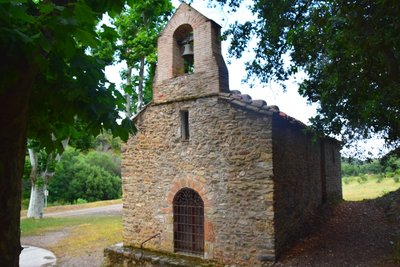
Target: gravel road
column 115, row 209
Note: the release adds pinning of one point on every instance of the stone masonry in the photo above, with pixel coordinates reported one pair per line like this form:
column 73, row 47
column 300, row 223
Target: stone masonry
column 262, row 175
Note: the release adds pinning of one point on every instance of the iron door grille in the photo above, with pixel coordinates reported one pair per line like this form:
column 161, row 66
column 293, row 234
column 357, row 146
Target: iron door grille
column 188, row 222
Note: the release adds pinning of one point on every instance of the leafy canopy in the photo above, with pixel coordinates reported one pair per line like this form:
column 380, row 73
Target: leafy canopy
column 350, row 51
column 56, row 38
column 138, row 27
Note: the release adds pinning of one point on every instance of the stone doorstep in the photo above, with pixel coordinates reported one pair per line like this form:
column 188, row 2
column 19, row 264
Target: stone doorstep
column 118, row 255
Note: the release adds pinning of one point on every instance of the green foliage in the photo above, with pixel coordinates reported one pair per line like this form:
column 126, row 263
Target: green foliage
column 25, row 203
column 138, row 27
column 349, row 50
column 390, row 174
column 80, row 201
column 56, row 39
column 91, row 177
column 362, row 179
column 105, row 142
column 362, row 171
column 80, row 138
column 107, row 161
column 380, row 177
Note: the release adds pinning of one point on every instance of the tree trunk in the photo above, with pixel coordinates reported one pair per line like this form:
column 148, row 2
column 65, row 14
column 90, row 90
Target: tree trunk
column 36, row 202
column 15, row 91
column 128, row 108
column 139, row 103
column 37, row 198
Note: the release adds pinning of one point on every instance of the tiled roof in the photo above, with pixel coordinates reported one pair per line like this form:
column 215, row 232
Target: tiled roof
column 244, row 101
column 235, row 97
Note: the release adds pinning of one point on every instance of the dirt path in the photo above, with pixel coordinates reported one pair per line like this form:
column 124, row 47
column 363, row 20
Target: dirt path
column 356, row 234
column 88, row 258
column 92, row 258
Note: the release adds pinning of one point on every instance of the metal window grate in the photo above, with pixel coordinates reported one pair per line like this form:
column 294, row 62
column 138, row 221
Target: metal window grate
column 188, row 222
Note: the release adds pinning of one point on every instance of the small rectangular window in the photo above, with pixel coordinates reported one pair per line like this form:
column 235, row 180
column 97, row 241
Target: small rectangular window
column 185, row 124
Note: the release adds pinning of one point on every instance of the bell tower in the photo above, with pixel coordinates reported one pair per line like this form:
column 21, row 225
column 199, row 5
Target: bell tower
column 190, row 63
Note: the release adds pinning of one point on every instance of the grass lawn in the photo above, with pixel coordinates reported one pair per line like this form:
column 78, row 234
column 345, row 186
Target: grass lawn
column 85, row 234
column 370, row 189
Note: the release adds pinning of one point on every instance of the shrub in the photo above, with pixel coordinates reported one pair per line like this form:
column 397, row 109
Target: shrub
column 380, row 177
column 88, row 177
column 396, row 179
column 25, row 204
column 107, row 161
column 389, row 174
column 362, row 179
column 80, row 201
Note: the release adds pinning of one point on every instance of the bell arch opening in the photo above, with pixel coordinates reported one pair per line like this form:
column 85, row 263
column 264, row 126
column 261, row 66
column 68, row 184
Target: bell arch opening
column 188, row 211
column 183, row 50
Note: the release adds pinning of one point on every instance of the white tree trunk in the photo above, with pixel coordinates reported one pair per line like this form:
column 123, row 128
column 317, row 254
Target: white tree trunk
column 36, row 202
column 128, row 107
column 35, row 209
column 139, row 103
column 38, row 196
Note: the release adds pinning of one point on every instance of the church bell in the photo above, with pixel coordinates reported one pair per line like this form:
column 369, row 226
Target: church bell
column 188, row 51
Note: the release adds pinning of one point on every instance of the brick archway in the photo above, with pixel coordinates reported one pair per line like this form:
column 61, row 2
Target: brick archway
column 188, row 216
column 198, row 185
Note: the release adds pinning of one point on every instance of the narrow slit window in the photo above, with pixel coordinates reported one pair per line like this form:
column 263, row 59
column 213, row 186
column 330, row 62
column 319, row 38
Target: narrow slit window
column 185, row 125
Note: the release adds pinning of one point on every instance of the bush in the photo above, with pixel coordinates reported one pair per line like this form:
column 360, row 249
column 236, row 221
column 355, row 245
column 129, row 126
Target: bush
column 380, row 177
column 89, row 177
column 25, row 204
column 396, row 179
column 107, row 161
column 362, row 179
column 80, row 201
column 390, row 174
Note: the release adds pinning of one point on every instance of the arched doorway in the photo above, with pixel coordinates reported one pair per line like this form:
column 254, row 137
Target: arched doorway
column 188, row 222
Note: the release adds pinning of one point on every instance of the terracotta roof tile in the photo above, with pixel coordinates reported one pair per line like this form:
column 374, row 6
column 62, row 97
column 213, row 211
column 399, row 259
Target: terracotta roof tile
column 258, row 105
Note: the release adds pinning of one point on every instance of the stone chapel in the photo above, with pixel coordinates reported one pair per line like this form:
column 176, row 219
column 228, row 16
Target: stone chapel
column 213, row 174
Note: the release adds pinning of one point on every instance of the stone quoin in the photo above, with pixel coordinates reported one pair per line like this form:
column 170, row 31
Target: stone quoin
column 211, row 173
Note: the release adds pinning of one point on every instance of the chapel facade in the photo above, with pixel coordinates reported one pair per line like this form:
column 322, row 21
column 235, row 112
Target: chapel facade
column 212, row 173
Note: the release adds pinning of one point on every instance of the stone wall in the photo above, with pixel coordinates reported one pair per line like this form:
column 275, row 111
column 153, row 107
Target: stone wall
column 332, row 167
column 227, row 160
column 297, row 178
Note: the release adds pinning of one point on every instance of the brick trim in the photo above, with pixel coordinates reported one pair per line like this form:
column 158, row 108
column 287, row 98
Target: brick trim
column 197, row 184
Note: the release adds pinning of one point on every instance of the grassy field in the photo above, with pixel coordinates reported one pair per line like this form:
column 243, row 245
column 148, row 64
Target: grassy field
column 84, row 234
column 356, row 189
